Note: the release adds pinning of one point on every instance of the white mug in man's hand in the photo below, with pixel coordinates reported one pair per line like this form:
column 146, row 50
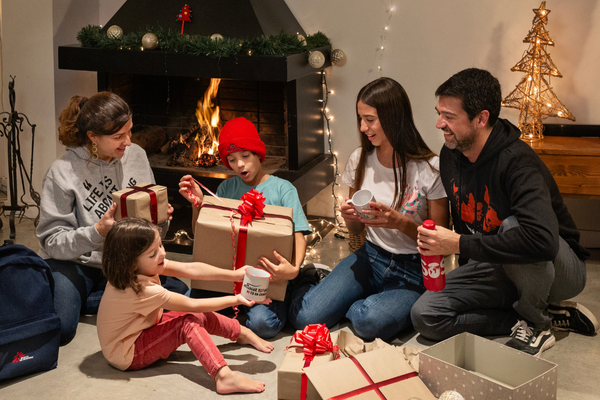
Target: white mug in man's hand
column 360, row 200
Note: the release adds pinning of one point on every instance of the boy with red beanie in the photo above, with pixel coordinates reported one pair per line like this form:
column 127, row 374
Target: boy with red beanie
column 242, row 151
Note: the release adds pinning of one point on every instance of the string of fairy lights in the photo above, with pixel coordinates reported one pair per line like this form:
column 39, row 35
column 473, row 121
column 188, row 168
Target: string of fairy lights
column 383, row 37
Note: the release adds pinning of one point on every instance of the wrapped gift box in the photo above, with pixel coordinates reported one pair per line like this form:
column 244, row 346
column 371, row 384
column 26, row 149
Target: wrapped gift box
column 362, row 376
column 289, row 375
column 145, row 200
column 213, row 243
column 479, row 368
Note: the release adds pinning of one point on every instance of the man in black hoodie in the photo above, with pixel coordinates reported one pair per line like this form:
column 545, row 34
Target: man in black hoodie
column 518, row 247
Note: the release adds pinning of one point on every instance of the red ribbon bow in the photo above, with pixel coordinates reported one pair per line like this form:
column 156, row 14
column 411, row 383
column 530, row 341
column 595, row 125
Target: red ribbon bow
column 315, row 339
column 253, row 204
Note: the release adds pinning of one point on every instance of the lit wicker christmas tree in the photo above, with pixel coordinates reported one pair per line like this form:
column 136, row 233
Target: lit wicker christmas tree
column 533, row 95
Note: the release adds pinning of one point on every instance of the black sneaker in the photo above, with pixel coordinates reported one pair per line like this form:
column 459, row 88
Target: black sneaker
column 530, row 340
column 316, row 272
column 570, row 316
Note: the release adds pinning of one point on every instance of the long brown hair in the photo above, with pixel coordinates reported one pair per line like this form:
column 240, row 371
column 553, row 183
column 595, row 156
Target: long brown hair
column 125, row 242
column 104, row 113
column 390, row 100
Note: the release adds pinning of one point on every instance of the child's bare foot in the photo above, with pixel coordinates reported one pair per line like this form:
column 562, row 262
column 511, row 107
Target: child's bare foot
column 249, row 337
column 230, row 382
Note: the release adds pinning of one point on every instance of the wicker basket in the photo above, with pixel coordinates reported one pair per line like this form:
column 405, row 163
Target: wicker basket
column 356, row 240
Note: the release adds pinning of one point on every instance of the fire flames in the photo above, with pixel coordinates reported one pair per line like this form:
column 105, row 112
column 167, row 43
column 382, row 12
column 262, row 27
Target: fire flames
column 208, row 115
column 199, row 147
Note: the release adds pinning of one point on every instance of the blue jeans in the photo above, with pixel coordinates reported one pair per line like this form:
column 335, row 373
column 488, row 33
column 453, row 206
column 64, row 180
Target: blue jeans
column 372, row 287
column 264, row 320
column 78, row 290
column 488, row 299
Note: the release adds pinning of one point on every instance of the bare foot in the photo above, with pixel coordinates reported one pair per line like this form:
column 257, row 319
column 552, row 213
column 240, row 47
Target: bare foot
column 249, row 337
column 230, row 382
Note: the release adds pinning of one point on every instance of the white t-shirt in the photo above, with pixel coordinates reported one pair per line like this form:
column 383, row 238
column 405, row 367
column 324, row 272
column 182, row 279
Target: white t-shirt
column 423, row 184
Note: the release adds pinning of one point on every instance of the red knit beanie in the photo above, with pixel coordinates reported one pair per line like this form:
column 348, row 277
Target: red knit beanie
column 239, row 134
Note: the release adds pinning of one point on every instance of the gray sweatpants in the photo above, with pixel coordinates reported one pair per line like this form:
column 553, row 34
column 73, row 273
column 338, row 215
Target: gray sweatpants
column 487, row 299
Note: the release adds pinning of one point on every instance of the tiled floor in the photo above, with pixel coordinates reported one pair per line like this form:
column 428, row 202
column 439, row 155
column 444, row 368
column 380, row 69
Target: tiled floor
column 82, row 372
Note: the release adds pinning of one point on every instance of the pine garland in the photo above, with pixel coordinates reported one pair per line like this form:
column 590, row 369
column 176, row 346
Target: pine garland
column 280, row 45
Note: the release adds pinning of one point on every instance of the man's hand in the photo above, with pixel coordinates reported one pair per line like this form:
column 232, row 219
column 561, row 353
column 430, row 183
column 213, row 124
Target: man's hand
column 440, row 241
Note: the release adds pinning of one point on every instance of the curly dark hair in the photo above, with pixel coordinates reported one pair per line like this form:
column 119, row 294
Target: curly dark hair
column 104, row 113
column 125, row 242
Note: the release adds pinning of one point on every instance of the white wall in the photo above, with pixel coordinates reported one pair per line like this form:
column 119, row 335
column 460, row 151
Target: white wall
column 427, row 42
column 27, row 54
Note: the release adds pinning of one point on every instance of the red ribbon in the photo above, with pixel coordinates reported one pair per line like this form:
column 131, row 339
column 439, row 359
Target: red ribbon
column 372, row 385
column 153, row 201
column 253, row 204
column 315, row 339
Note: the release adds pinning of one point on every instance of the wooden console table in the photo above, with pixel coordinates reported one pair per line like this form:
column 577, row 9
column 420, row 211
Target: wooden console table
column 574, row 162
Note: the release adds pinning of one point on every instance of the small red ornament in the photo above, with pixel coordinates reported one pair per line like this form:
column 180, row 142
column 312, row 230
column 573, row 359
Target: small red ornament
column 185, row 15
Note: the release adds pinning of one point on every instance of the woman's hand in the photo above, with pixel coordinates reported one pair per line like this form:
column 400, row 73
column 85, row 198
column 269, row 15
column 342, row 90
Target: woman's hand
column 385, row 217
column 170, row 211
column 284, row 271
column 348, row 212
column 107, row 221
column 190, row 190
column 238, row 274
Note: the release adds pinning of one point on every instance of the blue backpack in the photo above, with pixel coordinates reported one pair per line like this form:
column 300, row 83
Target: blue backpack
column 29, row 326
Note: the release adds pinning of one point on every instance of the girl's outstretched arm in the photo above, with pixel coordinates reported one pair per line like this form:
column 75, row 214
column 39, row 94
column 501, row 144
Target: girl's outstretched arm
column 202, row 271
column 179, row 302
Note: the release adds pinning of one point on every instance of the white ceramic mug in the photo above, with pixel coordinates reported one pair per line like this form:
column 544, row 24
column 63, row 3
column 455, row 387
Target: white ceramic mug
column 360, row 200
column 256, row 284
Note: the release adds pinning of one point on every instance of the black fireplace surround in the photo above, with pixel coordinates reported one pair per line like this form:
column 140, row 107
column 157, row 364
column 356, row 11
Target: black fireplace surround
column 291, row 78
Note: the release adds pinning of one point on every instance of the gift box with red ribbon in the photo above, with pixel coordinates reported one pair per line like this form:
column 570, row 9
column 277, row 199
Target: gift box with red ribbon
column 375, row 375
column 144, row 200
column 259, row 230
column 314, row 345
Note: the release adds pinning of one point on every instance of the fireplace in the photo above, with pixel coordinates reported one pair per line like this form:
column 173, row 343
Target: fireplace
column 280, row 95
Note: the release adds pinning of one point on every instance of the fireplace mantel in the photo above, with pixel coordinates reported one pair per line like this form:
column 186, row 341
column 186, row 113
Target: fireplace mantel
column 160, row 63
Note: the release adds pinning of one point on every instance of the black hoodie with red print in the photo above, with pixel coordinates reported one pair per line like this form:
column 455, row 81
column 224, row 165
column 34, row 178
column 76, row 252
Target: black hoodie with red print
column 508, row 178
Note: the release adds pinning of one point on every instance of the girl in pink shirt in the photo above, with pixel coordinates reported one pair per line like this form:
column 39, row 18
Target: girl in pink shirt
column 134, row 331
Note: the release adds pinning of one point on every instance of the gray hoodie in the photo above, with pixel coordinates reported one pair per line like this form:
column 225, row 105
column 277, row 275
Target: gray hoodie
column 76, row 193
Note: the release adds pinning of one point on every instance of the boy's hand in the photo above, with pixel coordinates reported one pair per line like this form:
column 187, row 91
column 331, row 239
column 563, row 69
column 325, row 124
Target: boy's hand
column 190, row 190
column 241, row 300
column 283, row 271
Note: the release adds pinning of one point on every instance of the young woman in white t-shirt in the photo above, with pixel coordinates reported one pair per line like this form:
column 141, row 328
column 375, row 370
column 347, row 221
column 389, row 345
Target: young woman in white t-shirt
column 376, row 286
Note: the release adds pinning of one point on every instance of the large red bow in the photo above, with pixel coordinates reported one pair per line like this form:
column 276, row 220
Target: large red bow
column 315, row 339
column 253, row 204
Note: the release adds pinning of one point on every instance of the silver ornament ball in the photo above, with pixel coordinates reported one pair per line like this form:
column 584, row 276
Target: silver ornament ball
column 216, row 36
column 337, row 56
column 451, row 395
column 149, row 41
column 114, row 32
column 316, row 59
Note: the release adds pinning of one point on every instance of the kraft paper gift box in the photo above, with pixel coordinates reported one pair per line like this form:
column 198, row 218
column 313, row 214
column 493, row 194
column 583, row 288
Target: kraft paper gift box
column 479, row 368
column 289, row 375
column 144, row 200
column 213, row 243
column 374, row 375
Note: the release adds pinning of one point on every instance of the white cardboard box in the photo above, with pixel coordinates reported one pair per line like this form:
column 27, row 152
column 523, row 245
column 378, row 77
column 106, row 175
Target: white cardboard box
column 481, row 369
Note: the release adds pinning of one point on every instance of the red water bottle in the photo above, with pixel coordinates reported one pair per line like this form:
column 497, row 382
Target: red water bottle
column 434, row 273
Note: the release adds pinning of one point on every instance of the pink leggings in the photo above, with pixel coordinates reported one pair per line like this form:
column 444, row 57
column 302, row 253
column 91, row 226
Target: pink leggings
column 176, row 328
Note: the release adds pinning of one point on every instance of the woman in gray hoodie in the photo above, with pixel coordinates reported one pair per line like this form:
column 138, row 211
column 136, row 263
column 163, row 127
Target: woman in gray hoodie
column 77, row 208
